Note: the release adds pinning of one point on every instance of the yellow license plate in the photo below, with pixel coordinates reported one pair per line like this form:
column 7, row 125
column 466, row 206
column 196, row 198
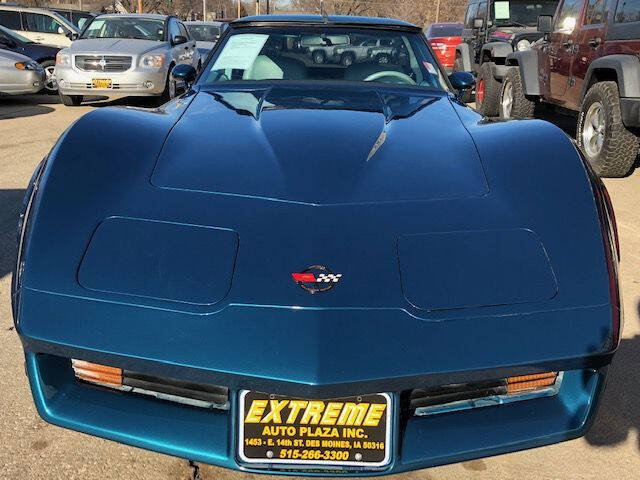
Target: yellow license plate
column 341, row 431
column 101, row 83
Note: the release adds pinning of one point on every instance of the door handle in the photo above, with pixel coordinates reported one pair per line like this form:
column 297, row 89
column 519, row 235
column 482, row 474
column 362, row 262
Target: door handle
column 595, row 42
column 567, row 44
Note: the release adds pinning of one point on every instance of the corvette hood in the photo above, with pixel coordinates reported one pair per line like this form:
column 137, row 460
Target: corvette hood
column 338, row 147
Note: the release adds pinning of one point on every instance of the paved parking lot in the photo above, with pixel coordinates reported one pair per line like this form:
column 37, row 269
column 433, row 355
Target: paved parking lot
column 32, row 449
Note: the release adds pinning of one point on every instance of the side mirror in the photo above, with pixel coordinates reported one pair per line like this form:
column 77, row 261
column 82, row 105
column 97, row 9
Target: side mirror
column 61, row 31
column 478, row 22
column 462, row 80
column 71, row 36
column 545, row 24
column 182, row 77
column 179, row 40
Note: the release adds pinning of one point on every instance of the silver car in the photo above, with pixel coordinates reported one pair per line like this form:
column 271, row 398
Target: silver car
column 124, row 55
column 206, row 34
column 19, row 74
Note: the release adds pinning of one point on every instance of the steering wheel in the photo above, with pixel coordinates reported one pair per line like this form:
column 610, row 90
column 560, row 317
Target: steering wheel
column 392, row 74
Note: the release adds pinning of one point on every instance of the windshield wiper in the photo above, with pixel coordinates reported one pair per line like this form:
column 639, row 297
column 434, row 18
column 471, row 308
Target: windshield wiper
column 513, row 23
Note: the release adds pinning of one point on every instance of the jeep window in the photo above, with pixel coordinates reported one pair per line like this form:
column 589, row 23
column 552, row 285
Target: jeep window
column 568, row 16
column 125, row 27
column 521, row 13
column 596, row 12
column 482, row 11
column 471, row 14
column 10, row 19
column 324, row 54
column 628, row 11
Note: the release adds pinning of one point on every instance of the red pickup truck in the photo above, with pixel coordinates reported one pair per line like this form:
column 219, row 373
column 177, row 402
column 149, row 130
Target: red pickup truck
column 588, row 62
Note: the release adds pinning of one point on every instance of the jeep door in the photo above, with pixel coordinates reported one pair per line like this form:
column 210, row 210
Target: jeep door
column 589, row 43
column 561, row 50
column 469, row 34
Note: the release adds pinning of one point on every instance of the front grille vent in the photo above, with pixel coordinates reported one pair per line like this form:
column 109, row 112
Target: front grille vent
column 103, row 63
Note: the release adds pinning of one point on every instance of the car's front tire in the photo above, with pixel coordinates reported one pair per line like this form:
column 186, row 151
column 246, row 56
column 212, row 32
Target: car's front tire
column 50, row 84
column 347, row 59
column 609, row 147
column 487, row 91
column 318, row 57
column 71, row 100
column 513, row 102
column 169, row 88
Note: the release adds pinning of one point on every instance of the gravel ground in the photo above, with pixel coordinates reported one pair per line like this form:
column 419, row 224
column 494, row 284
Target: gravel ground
column 32, row 449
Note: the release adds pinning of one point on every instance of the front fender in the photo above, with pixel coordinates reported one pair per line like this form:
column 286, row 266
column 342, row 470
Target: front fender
column 465, row 54
column 497, row 50
column 527, row 62
column 627, row 69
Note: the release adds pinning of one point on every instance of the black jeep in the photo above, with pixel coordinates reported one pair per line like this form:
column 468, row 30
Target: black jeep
column 492, row 30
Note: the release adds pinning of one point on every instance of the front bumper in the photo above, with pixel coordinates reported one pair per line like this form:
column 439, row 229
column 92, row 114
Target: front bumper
column 136, row 82
column 210, row 436
column 23, row 82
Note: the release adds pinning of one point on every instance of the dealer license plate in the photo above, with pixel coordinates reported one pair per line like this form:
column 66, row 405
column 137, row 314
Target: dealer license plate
column 101, row 83
column 344, row 431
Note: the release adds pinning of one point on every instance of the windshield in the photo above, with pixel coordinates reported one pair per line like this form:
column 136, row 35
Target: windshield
column 126, row 27
column 445, row 30
column 204, row 33
column 5, row 32
column 521, row 13
column 321, row 54
column 63, row 21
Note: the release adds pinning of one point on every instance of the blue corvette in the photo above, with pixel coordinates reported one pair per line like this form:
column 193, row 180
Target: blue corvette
column 314, row 268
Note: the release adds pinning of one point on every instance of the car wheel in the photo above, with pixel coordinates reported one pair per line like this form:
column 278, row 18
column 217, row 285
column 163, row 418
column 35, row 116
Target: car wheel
column 50, row 83
column 383, row 59
column 71, row 100
column 610, row 148
column 167, row 93
column 487, row 91
column 318, row 57
column 458, row 66
column 347, row 59
column 513, row 101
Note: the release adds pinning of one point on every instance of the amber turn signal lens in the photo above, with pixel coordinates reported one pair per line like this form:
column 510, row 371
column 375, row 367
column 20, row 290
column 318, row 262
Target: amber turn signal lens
column 96, row 373
column 523, row 383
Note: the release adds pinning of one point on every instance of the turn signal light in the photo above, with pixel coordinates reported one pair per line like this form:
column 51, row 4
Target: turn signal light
column 95, row 373
column 523, row 383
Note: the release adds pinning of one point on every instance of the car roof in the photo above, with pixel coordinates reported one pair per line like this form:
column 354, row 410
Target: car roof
column 153, row 16
column 331, row 20
column 27, row 9
column 200, row 22
column 43, row 11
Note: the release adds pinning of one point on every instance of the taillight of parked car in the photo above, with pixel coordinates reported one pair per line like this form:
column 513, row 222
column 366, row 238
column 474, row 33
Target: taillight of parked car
column 444, row 48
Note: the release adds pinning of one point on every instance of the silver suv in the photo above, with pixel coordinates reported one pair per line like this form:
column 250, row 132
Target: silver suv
column 124, row 55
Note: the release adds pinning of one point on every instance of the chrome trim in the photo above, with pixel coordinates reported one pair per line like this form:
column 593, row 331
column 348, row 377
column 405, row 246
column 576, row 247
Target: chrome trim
column 491, row 400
